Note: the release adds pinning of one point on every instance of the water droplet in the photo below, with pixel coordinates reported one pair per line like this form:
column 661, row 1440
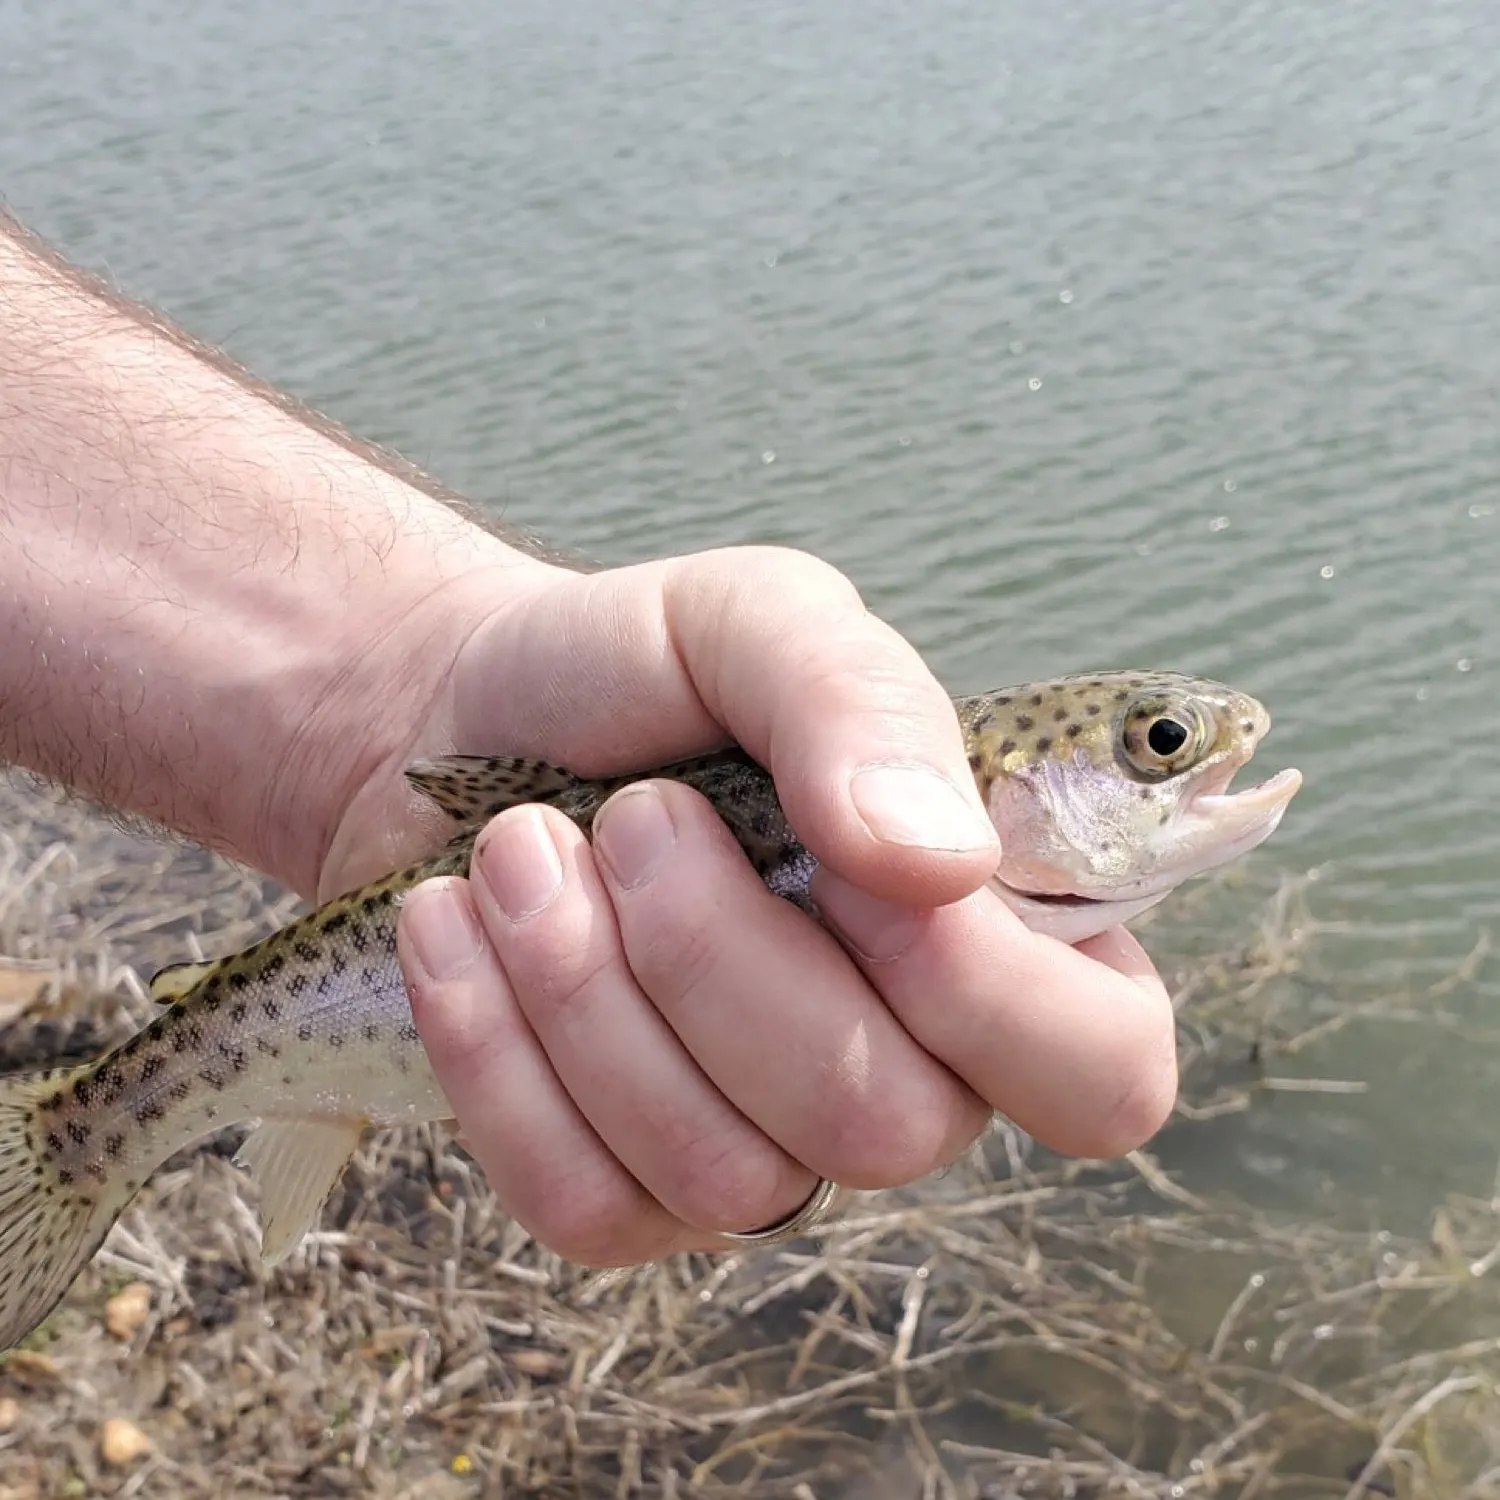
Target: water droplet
column 1480, row 509
column 1065, row 296
column 905, row 442
column 1035, row 382
column 1230, row 486
column 1219, row 523
column 1422, row 694
column 1463, row 664
column 771, row 260
column 1258, row 1280
column 1251, row 1345
column 541, row 322
column 1323, row 1331
column 1143, row 549
column 1326, row 571
column 768, row 457
column 1017, row 347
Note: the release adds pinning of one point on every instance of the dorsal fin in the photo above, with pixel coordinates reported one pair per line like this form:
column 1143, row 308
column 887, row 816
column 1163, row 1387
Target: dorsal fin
column 473, row 788
column 176, row 980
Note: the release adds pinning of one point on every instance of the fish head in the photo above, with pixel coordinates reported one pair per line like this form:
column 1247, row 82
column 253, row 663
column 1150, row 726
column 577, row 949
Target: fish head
column 1110, row 790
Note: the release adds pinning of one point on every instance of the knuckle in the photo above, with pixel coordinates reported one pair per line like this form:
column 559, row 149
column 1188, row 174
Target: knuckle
column 594, row 1223
column 724, row 1184
column 878, row 1140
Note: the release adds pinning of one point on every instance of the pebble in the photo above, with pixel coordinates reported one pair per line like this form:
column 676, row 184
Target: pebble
column 127, row 1310
column 122, row 1443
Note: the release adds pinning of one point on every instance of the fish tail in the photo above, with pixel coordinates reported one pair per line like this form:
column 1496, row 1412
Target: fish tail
column 52, row 1220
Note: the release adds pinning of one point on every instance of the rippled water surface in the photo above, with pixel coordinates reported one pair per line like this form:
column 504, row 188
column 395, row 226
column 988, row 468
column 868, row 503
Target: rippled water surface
column 1165, row 333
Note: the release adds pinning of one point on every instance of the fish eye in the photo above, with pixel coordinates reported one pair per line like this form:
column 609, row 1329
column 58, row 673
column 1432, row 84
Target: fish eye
column 1166, row 736
column 1159, row 738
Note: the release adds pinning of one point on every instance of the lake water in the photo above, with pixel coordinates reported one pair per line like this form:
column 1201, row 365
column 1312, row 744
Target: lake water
column 1079, row 335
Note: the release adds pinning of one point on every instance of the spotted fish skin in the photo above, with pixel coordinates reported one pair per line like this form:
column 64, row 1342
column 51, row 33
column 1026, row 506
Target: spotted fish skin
column 310, row 1031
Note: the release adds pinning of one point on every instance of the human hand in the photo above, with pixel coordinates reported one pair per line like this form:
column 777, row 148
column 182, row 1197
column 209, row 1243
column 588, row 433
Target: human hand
column 644, row 1047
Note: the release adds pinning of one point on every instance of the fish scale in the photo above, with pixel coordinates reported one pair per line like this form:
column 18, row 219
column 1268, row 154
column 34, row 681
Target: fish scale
column 1107, row 791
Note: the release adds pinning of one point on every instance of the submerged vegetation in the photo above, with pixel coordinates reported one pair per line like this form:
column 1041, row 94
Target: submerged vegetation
column 1016, row 1327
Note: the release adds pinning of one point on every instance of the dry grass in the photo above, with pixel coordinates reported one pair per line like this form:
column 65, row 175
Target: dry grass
column 1016, row 1327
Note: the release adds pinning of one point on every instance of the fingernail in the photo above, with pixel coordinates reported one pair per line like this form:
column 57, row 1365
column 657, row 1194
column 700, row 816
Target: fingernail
column 633, row 834
column 918, row 807
column 519, row 864
column 877, row 930
column 444, row 935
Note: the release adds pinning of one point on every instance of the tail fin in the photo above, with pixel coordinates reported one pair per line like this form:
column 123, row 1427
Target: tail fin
column 50, row 1224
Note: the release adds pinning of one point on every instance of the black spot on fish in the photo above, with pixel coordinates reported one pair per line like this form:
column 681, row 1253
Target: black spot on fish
column 78, row 1132
column 1059, row 715
column 296, row 984
column 333, row 921
column 408, row 1033
column 54, row 1142
column 305, row 1032
column 1036, row 700
column 81, row 1092
column 1007, row 746
column 113, row 1146
column 308, row 953
column 272, row 1008
column 1121, row 696
column 151, row 1066
column 1073, row 731
column 1043, row 744
column 267, row 1049
column 238, row 1011
column 1093, row 710
column 372, row 1032
column 213, row 1078
column 337, row 963
column 65, row 1179
column 148, row 1110
column 238, row 980
column 179, row 1090
column 370, row 904
column 287, row 1080
column 335, row 1038
column 1024, row 721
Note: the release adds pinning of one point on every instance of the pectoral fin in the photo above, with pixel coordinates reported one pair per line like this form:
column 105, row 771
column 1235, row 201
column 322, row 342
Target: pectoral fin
column 473, row 788
column 295, row 1163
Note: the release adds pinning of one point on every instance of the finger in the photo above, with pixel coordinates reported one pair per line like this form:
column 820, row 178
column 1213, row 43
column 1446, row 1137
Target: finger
column 551, row 921
column 625, row 669
column 542, row 1157
column 768, row 1004
column 1077, row 1046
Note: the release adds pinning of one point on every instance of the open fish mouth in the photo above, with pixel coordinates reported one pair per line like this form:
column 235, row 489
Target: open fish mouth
column 1239, row 820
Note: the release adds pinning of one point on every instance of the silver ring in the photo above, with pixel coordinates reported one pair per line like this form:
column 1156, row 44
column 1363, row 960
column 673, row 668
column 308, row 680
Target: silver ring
column 799, row 1221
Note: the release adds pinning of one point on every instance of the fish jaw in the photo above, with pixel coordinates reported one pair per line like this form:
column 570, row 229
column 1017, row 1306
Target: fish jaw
column 1065, row 878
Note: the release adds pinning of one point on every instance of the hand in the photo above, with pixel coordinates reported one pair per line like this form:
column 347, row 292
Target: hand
column 646, row 1048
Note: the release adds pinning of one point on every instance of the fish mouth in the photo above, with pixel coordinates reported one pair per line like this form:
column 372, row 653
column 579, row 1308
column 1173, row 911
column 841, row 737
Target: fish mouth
column 1238, row 821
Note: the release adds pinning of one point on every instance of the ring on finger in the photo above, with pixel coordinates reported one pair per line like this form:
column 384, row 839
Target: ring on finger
column 800, row 1221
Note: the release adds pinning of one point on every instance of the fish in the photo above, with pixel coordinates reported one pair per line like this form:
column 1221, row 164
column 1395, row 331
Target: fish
column 1107, row 791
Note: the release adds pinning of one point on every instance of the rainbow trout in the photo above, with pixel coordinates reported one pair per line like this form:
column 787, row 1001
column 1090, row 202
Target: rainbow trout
column 1107, row 791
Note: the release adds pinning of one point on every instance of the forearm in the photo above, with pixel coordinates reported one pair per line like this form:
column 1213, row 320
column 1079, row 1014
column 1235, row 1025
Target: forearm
column 212, row 612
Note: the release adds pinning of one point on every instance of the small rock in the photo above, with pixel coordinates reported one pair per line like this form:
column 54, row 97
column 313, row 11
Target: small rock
column 34, row 1368
column 127, row 1310
column 532, row 1361
column 10, row 1413
column 122, row 1443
